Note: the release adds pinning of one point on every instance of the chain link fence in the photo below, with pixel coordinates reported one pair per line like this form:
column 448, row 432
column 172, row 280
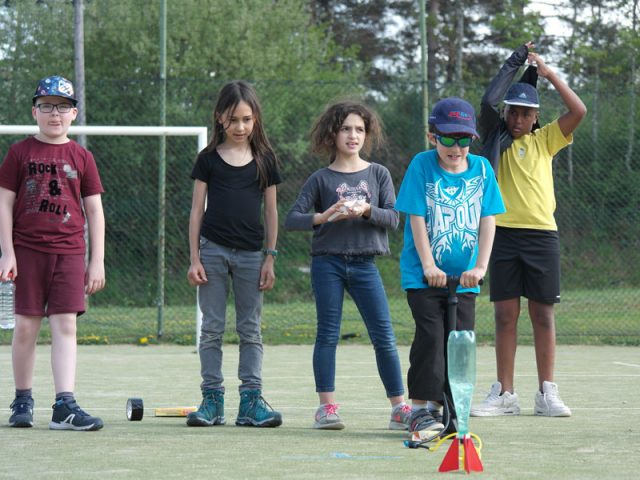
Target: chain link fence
column 597, row 185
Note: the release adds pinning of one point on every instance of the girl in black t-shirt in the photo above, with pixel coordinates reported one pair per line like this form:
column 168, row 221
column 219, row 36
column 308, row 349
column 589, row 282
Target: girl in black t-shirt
column 233, row 175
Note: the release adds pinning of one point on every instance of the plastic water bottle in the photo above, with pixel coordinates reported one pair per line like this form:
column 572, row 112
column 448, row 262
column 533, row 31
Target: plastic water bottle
column 461, row 352
column 7, row 304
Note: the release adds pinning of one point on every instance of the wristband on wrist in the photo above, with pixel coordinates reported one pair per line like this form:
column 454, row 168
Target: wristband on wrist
column 273, row 253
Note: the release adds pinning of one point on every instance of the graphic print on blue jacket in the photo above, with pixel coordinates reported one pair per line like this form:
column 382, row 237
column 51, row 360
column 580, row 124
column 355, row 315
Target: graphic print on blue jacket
column 454, row 206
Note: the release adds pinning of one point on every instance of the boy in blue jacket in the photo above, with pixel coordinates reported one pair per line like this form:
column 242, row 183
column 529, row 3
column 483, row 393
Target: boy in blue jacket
column 450, row 198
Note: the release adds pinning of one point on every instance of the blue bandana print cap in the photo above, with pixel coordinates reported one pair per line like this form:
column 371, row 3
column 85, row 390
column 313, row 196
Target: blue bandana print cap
column 55, row 86
column 454, row 115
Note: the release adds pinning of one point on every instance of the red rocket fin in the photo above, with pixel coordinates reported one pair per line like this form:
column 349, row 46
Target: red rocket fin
column 451, row 461
column 472, row 461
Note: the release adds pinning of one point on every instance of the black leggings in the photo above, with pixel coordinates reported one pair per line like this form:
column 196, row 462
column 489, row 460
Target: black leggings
column 428, row 356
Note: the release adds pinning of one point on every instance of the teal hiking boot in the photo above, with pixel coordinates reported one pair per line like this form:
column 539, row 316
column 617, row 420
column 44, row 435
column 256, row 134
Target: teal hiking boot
column 210, row 412
column 254, row 411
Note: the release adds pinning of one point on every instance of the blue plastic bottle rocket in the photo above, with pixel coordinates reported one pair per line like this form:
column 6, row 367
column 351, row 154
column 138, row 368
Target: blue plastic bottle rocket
column 461, row 351
column 461, row 370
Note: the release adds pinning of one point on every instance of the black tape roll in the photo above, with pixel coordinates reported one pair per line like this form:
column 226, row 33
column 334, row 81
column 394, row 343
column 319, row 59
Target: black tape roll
column 135, row 409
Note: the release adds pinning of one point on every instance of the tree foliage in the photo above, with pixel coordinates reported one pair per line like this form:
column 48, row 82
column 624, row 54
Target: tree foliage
column 301, row 54
column 274, row 45
column 383, row 34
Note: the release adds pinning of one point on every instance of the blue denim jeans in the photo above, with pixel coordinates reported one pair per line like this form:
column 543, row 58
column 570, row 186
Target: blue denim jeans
column 331, row 275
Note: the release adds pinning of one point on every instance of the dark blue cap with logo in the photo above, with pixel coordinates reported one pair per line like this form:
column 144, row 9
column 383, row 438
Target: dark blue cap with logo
column 453, row 115
column 523, row 94
column 55, row 86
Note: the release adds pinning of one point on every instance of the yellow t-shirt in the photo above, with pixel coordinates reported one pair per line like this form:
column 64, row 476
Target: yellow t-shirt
column 526, row 179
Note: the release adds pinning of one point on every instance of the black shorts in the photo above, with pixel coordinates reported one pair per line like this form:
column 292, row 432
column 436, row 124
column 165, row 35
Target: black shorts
column 525, row 263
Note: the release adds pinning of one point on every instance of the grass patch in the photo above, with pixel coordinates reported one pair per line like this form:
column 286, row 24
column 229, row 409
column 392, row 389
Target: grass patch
column 599, row 441
column 583, row 317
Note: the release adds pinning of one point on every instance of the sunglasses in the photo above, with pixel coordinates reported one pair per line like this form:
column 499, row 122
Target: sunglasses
column 463, row 142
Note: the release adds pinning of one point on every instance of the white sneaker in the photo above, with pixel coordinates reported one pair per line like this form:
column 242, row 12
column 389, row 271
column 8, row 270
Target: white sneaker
column 495, row 404
column 549, row 404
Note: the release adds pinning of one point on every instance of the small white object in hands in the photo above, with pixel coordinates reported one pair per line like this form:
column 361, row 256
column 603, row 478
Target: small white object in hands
column 357, row 206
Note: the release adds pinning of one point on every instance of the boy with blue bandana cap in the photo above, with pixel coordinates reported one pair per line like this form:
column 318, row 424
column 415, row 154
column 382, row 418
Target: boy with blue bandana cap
column 450, row 198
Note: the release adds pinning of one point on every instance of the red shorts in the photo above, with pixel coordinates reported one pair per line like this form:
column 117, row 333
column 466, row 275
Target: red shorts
column 49, row 283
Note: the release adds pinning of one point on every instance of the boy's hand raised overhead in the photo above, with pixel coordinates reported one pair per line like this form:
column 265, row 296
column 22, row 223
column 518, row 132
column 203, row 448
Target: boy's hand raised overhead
column 543, row 70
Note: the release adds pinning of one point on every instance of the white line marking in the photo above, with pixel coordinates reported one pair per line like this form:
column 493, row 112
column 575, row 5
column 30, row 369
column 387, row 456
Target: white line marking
column 627, row 364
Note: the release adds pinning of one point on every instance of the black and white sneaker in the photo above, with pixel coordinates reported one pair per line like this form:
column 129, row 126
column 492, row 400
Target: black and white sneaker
column 69, row 416
column 422, row 424
column 21, row 412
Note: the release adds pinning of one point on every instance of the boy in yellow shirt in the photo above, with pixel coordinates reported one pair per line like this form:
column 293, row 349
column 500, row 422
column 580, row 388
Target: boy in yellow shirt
column 525, row 261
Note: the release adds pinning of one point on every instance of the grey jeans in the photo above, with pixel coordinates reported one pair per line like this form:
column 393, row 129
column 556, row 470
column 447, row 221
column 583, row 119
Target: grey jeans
column 241, row 269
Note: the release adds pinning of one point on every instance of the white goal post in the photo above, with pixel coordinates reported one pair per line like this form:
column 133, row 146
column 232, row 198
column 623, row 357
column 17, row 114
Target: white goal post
column 200, row 132
column 156, row 131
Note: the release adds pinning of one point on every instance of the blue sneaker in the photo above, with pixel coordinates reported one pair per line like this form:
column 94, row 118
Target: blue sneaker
column 69, row 416
column 254, row 411
column 210, row 412
column 22, row 412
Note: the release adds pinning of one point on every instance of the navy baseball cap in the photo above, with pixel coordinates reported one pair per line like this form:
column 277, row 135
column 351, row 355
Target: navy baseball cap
column 453, row 115
column 55, row 86
column 523, row 94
